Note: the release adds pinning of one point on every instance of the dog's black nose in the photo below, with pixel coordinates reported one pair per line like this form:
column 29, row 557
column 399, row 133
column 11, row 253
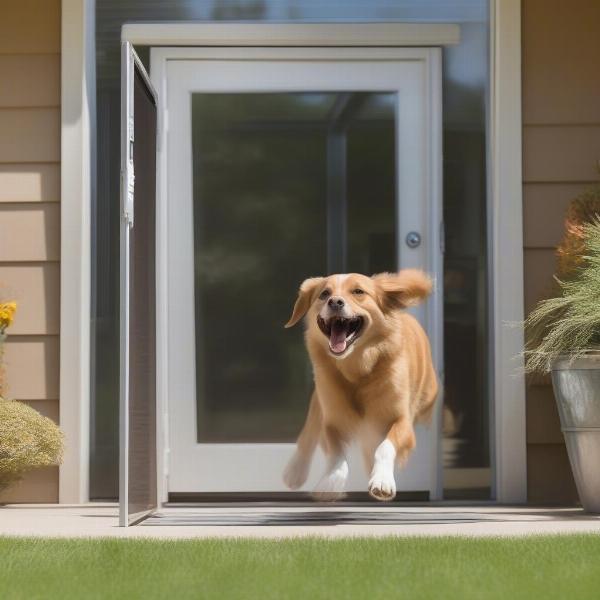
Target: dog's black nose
column 336, row 303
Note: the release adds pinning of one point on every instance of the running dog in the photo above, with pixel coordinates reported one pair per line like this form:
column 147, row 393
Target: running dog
column 374, row 376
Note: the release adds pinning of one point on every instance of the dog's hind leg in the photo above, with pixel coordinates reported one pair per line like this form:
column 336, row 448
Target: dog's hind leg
column 396, row 447
column 296, row 472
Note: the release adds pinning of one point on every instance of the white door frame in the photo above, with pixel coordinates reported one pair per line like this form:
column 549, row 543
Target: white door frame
column 504, row 209
column 399, row 66
column 505, row 255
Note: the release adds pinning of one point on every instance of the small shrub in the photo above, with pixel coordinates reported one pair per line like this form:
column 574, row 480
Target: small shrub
column 28, row 440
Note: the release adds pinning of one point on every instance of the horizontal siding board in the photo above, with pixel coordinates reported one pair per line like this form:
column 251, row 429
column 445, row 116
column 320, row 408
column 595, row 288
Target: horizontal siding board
column 561, row 154
column 539, row 269
column 38, row 486
column 544, row 208
column 29, row 135
column 46, row 408
column 36, row 288
column 538, row 379
column 549, row 476
column 30, row 182
column 560, row 51
column 30, row 27
column 29, row 232
column 31, row 364
column 34, row 80
column 543, row 423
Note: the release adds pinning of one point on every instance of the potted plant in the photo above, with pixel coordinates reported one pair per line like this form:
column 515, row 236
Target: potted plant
column 564, row 339
column 28, row 440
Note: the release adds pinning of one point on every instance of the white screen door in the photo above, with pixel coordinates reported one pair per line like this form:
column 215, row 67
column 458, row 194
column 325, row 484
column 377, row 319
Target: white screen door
column 137, row 481
column 280, row 164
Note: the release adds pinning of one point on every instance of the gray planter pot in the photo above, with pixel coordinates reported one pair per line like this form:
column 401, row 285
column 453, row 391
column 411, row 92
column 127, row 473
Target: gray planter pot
column 577, row 390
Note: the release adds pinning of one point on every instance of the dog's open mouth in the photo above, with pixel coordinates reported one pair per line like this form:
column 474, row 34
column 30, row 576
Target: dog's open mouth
column 342, row 332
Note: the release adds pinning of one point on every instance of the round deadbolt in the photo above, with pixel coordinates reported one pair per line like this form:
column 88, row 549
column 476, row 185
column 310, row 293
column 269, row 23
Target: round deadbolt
column 413, row 239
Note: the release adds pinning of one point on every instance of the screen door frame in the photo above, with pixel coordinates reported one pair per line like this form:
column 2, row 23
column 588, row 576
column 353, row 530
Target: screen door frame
column 129, row 512
column 429, row 256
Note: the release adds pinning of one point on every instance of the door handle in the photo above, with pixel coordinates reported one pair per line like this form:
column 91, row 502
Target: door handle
column 413, row 239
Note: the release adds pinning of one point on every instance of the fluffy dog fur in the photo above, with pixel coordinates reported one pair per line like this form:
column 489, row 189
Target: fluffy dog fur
column 374, row 376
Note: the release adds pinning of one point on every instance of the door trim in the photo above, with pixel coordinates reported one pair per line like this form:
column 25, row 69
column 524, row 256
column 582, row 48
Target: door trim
column 505, row 252
column 77, row 169
column 292, row 34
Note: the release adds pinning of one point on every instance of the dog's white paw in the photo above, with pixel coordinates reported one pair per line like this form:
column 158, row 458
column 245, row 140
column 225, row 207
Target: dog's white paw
column 382, row 485
column 296, row 472
column 332, row 484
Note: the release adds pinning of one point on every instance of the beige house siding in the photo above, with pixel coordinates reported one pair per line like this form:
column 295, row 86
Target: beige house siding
column 561, row 149
column 30, row 212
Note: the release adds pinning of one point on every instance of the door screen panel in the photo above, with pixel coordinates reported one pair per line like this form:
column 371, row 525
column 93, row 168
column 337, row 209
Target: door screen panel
column 137, row 397
column 142, row 307
column 285, row 186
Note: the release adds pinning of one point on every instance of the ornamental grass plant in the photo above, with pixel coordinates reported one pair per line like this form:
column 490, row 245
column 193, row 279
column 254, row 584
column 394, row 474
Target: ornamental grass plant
column 569, row 323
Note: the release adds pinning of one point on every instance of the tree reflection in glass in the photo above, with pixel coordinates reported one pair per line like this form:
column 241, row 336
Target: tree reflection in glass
column 286, row 186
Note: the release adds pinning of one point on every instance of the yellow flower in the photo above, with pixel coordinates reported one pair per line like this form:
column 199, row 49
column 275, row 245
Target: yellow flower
column 7, row 314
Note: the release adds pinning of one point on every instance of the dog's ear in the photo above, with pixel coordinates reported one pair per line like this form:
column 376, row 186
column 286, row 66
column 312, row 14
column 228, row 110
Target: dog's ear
column 403, row 289
column 305, row 299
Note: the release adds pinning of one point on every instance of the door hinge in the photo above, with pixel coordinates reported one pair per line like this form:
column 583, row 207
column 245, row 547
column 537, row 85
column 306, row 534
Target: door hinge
column 129, row 182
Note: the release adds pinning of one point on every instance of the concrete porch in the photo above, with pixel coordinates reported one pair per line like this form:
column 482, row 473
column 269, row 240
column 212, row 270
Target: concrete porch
column 285, row 520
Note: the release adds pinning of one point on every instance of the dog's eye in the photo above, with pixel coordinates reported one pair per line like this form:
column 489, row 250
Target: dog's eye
column 324, row 295
column 358, row 291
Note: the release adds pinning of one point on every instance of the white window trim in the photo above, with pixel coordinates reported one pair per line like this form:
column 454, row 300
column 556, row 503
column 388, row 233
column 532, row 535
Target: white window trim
column 505, row 208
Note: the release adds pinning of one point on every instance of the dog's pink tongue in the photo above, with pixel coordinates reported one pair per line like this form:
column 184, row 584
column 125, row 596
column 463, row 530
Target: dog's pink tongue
column 337, row 337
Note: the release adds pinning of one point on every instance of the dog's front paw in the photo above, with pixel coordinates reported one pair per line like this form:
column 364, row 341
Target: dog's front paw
column 296, row 472
column 332, row 484
column 382, row 485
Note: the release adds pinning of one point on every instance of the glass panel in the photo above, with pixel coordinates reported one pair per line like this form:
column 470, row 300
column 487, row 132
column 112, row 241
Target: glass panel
column 270, row 209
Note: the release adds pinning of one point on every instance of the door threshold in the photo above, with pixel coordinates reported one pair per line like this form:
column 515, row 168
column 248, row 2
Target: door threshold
column 286, row 498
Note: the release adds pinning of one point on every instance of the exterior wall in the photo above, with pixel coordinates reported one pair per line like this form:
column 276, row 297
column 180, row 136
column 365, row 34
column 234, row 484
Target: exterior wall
column 561, row 150
column 30, row 213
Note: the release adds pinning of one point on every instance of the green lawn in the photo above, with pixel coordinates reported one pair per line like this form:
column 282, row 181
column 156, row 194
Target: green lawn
column 536, row 567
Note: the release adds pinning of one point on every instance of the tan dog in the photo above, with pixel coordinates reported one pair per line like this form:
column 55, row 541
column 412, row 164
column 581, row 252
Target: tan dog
column 374, row 376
